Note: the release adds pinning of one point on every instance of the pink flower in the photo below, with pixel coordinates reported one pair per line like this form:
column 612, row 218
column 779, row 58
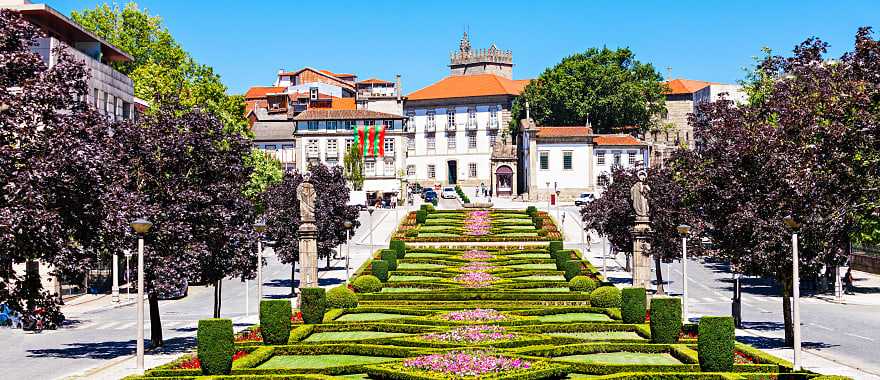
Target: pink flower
column 472, row 334
column 476, row 255
column 490, row 315
column 462, row 364
column 475, row 279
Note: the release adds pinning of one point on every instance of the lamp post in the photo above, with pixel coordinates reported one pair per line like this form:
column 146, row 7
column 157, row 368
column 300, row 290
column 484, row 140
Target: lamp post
column 370, row 211
column 141, row 226
column 794, row 225
column 260, row 228
column 127, row 253
column 684, row 230
column 548, row 198
column 115, row 289
column 558, row 209
column 348, row 225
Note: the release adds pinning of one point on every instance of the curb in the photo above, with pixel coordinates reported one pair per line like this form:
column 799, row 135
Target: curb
column 847, row 302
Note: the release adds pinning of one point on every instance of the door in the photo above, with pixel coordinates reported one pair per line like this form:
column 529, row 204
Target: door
column 452, row 171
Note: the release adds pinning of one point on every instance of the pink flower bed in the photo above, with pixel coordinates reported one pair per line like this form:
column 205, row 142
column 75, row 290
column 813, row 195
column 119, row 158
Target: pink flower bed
column 475, row 279
column 475, row 363
column 476, row 255
column 472, row 334
column 478, row 266
column 477, row 223
column 483, row 315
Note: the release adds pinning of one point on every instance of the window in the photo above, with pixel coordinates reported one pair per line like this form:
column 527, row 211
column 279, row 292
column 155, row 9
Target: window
column 348, row 144
column 331, row 145
column 450, row 141
column 450, row 117
column 388, row 124
column 631, row 158
column 106, row 103
column 603, row 180
column 432, row 171
column 313, row 148
column 389, row 146
column 270, row 148
column 349, row 124
column 472, row 116
column 472, row 139
column 368, row 123
column 312, row 125
column 287, row 153
column 493, row 135
column 600, row 157
column 493, row 114
column 410, row 143
column 410, row 170
column 370, row 167
column 96, row 96
column 430, row 115
column 430, row 139
column 616, row 158
column 331, row 125
column 566, row 160
column 544, row 160
column 472, row 169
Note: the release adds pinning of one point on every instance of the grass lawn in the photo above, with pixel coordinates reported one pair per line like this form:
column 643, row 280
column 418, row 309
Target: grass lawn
column 412, row 278
column 356, row 376
column 434, row 228
column 600, row 335
column 551, row 290
column 349, row 335
column 436, row 234
column 528, row 256
column 421, row 266
column 319, row 361
column 515, row 234
column 403, row 290
column 519, row 227
column 424, row 255
column 575, row 317
column 550, row 266
column 622, row 358
column 540, row 277
column 369, row 317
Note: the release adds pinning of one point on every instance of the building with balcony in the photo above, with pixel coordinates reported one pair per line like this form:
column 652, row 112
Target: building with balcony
column 380, row 96
column 454, row 123
column 111, row 92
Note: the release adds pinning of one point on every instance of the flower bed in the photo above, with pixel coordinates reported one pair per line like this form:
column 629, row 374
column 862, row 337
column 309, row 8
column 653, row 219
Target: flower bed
column 481, row 315
column 463, row 364
column 194, row 362
column 471, row 334
column 475, row 279
column 476, row 255
column 477, row 223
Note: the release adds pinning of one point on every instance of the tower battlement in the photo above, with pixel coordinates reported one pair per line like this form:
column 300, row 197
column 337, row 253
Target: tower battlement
column 467, row 61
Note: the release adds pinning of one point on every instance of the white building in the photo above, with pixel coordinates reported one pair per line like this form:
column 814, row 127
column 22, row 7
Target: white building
column 616, row 150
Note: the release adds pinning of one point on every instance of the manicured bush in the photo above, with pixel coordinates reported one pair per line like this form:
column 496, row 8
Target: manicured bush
column 716, row 344
column 539, row 221
column 434, row 202
column 421, row 215
column 430, row 207
column 275, row 321
column 633, row 305
column 341, row 297
column 399, row 247
column 313, row 305
column 665, row 319
column 572, row 269
column 581, row 284
column 561, row 256
column 555, row 246
column 532, row 211
column 605, row 296
column 380, row 269
column 390, row 257
column 215, row 346
column 366, row 284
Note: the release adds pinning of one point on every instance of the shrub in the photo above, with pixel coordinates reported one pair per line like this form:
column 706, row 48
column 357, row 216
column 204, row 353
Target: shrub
column 633, row 305
column 665, row 319
column 716, row 344
column 561, row 257
column 313, row 305
column 399, row 247
column 341, row 297
column 572, row 269
column 433, row 202
column 390, row 257
column 532, row 211
column 539, row 222
column 366, row 284
column 605, row 296
column 275, row 321
column 215, row 345
column 421, row 215
column 380, row 269
column 555, row 246
column 581, row 284
column 430, row 207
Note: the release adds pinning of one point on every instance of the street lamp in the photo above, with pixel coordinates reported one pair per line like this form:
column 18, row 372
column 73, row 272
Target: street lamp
column 794, row 225
column 684, row 230
column 141, row 226
column 115, row 289
column 370, row 211
column 260, row 228
column 548, row 198
column 127, row 253
column 348, row 225
column 557, row 210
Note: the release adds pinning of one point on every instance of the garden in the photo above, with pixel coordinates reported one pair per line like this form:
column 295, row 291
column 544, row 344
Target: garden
column 429, row 224
column 469, row 311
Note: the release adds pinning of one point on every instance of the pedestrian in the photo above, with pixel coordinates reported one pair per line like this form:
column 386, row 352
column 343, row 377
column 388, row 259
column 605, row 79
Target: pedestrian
column 394, row 201
column 848, row 282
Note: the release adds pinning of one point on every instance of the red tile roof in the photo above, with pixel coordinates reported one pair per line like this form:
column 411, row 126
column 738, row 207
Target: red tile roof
column 564, row 131
column 330, row 73
column 685, row 86
column 460, row 86
column 617, row 140
column 338, row 114
column 343, row 104
column 374, row 81
column 261, row 91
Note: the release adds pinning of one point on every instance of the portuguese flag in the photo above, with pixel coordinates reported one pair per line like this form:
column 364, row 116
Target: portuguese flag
column 370, row 139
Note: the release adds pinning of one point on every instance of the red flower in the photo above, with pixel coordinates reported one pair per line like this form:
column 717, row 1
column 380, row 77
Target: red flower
column 742, row 358
column 250, row 336
column 296, row 318
column 191, row 363
column 647, row 315
column 239, row 355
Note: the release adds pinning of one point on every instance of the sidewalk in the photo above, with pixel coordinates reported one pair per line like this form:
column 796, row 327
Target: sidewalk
column 866, row 287
column 87, row 303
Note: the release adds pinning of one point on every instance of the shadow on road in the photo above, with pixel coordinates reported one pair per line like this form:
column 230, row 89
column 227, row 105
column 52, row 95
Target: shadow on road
column 110, row 350
column 769, row 343
column 321, row 282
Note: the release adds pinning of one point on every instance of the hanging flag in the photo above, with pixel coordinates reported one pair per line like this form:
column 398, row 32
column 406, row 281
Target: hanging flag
column 372, row 150
column 381, row 141
column 370, row 139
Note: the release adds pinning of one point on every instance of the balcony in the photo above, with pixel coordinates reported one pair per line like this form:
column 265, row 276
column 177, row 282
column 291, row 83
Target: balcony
column 430, row 127
column 451, row 127
column 471, row 125
column 493, row 124
column 313, row 154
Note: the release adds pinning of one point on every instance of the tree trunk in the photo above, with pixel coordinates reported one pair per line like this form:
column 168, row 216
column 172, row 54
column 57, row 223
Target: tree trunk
column 155, row 321
column 786, row 313
column 218, row 292
column 328, row 262
column 293, row 279
column 660, row 289
column 628, row 264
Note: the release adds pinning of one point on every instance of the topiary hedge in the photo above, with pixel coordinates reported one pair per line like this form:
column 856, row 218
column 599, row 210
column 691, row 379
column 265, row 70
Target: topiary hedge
column 605, row 296
column 366, row 284
column 572, row 269
column 555, row 246
column 380, row 269
column 399, row 246
column 633, row 305
column 421, row 215
column 532, row 211
column 275, row 321
column 665, row 319
column 581, row 284
column 215, row 346
column 313, row 304
column 389, row 256
column 341, row 297
column 716, row 344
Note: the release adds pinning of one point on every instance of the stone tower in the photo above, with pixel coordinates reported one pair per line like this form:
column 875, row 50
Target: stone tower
column 481, row 61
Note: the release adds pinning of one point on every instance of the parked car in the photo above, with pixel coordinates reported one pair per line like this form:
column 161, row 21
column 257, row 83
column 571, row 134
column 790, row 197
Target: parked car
column 584, row 199
column 357, row 198
column 425, row 190
column 448, row 193
column 430, row 196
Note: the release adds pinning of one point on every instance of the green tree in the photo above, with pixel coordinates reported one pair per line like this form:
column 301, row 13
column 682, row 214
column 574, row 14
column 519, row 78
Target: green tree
column 353, row 163
column 266, row 172
column 609, row 87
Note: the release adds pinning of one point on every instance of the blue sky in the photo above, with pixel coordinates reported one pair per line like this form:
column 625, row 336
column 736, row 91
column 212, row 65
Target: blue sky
column 248, row 41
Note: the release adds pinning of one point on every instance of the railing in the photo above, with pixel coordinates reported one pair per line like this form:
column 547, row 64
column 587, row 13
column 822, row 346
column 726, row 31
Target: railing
column 313, row 154
column 430, row 127
column 493, row 124
column 451, row 127
column 471, row 124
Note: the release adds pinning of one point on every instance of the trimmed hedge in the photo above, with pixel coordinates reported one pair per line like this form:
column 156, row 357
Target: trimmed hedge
column 399, row 246
column 215, row 346
column 665, row 319
column 366, row 284
column 572, row 269
column 380, row 270
column 581, row 284
column 532, row 211
column 275, row 321
column 605, row 296
column 421, row 215
column 633, row 305
column 389, row 256
column 715, row 343
column 313, row 305
column 341, row 297
column 555, row 246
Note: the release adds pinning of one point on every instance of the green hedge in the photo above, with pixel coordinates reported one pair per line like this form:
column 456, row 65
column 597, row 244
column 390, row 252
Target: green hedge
column 398, row 246
column 396, row 371
column 313, row 304
column 367, row 284
column 581, row 284
column 572, row 269
column 532, row 211
column 665, row 319
column 341, row 297
column 275, row 321
column 555, row 246
column 715, row 343
column 215, row 346
column 389, row 256
column 380, row 270
column 421, row 215
column 633, row 305
column 605, row 296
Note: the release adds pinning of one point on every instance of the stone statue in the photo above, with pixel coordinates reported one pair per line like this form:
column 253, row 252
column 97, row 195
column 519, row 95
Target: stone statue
column 305, row 193
column 639, row 193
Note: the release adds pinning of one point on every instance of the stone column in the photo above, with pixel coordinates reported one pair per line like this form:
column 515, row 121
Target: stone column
column 641, row 253
column 308, row 255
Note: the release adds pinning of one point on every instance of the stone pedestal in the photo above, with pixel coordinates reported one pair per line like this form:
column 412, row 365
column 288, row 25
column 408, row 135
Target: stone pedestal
column 641, row 268
column 308, row 256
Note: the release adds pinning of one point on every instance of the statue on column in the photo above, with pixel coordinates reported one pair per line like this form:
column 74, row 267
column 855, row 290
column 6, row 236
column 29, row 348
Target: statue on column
column 308, row 246
column 639, row 194
column 305, row 193
column 641, row 274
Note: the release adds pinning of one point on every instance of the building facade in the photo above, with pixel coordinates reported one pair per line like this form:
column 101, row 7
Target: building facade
column 616, row 150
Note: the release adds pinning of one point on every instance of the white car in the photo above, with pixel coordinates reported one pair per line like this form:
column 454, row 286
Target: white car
column 584, row 199
column 448, row 193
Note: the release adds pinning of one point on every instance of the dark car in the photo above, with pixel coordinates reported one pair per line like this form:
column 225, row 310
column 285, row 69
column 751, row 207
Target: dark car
column 426, row 190
column 430, row 195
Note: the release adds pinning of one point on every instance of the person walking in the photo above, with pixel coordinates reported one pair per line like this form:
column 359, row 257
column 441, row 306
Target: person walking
column 848, row 282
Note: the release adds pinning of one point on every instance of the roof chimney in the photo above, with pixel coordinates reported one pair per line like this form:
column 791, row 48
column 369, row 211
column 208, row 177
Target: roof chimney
column 397, row 87
column 527, row 111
